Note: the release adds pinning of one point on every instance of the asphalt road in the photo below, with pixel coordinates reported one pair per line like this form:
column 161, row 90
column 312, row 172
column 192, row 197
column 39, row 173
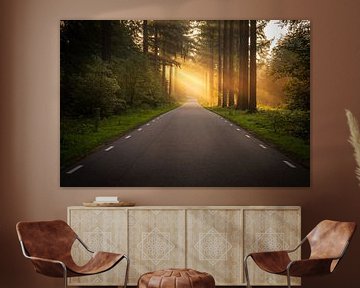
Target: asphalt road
column 186, row 147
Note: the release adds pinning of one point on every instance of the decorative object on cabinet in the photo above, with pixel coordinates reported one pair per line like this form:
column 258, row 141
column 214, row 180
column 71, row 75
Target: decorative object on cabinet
column 176, row 278
column 328, row 242
column 204, row 238
column 48, row 245
column 109, row 204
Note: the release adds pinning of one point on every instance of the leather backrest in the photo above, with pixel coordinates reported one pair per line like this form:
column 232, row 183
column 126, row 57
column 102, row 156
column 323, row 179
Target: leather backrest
column 329, row 238
column 46, row 239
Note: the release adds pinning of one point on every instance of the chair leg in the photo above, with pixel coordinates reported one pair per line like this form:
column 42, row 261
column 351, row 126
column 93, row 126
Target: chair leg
column 65, row 275
column 127, row 271
column 288, row 278
column 246, row 272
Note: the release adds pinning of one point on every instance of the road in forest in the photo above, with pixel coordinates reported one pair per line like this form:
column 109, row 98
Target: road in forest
column 186, row 147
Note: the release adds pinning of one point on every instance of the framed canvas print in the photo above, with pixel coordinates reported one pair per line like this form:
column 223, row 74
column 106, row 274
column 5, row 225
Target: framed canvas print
column 185, row 103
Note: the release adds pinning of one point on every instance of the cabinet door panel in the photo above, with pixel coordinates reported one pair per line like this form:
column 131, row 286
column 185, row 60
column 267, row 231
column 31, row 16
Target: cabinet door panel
column 156, row 240
column 214, row 244
column 100, row 230
column 270, row 230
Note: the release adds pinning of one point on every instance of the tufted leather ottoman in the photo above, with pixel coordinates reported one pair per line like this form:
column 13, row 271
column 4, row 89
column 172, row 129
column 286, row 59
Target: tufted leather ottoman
column 176, row 278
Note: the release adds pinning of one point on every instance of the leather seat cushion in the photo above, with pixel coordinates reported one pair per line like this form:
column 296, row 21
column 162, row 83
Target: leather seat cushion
column 176, row 278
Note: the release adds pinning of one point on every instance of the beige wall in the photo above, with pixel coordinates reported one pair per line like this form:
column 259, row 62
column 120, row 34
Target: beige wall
column 29, row 119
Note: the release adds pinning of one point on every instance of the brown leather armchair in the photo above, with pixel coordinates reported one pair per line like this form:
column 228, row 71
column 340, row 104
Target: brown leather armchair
column 328, row 242
column 48, row 245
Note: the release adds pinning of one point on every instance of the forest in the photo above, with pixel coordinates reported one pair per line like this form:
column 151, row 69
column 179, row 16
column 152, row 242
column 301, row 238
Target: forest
column 117, row 74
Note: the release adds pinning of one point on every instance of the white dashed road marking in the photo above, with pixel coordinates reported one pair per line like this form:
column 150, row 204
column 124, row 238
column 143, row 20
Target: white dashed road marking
column 289, row 164
column 109, row 148
column 262, row 146
column 139, row 129
column 74, row 169
column 127, row 137
column 247, row 136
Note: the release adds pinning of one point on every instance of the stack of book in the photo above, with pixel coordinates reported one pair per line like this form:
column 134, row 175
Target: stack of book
column 106, row 199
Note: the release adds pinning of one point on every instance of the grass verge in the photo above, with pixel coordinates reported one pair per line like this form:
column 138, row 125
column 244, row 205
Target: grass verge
column 79, row 137
column 288, row 131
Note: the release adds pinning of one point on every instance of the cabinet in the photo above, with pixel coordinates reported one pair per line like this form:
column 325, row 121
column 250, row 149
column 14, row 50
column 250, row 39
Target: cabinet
column 211, row 239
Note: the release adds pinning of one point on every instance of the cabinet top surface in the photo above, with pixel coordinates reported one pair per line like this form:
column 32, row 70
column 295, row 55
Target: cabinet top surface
column 192, row 207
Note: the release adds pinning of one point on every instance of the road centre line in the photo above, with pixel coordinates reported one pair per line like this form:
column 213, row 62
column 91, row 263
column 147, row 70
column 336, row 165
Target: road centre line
column 147, row 124
column 139, row 129
column 247, row 136
column 262, row 146
column 127, row 137
column 238, row 129
column 74, row 169
column 109, row 148
column 289, row 164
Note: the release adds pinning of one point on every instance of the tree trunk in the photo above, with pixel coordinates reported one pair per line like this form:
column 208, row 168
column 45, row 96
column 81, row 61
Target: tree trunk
column 225, row 64
column 252, row 101
column 243, row 102
column 170, row 80
column 156, row 48
column 231, row 64
column 106, row 40
column 219, row 70
column 145, row 37
column 211, row 64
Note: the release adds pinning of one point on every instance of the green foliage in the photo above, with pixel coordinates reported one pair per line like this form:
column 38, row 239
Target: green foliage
column 285, row 129
column 139, row 84
column 291, row 60
column 96, row 88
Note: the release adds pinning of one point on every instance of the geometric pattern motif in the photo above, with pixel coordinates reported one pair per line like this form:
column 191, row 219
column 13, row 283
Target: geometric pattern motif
column 269, row 241
column 213, row 246
column 98, row 240
column 155, row 246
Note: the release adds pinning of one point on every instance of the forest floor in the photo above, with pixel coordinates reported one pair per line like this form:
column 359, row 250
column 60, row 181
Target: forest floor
column 288, row 131
column 80, row 137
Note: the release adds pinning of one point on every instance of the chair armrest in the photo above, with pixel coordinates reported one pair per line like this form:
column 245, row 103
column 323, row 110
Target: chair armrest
column 309, row 267
column 48, row 267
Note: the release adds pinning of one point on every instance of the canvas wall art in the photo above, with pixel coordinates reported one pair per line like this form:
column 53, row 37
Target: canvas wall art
column 185, row 103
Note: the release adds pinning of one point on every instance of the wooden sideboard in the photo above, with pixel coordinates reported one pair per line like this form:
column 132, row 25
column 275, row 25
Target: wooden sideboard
column 212, row 239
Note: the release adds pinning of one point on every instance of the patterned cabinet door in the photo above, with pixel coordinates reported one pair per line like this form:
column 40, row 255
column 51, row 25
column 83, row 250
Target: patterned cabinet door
column 269, row 230
column 156, row 240
column 214, row 244
column 101, row 230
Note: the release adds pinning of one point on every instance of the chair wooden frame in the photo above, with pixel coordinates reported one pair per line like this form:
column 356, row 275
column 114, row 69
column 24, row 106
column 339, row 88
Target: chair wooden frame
column 59, row 268
column 315, row 265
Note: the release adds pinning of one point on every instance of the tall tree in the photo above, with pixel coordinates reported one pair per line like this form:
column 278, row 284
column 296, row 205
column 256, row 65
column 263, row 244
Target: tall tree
column 231, row 64
column 243, row 102
column 252, row 99
column 211, row 61
column 106, row 40
column 225, row 63
column 145, row 37
column 219, row 70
